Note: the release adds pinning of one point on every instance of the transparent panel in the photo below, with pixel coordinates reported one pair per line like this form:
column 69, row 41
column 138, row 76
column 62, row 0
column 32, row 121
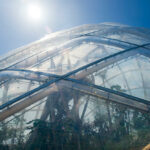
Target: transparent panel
column 100, row 107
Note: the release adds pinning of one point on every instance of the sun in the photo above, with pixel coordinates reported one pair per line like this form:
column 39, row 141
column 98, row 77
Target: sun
column 35, row 12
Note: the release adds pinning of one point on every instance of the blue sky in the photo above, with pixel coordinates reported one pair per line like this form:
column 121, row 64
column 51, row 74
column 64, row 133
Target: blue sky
column 16, row 29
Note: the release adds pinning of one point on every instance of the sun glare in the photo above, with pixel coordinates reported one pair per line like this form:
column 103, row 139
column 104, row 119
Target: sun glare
column 35, row 12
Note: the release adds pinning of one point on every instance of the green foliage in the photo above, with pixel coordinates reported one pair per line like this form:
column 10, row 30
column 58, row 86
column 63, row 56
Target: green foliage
column 11, row 135
column 119, row 128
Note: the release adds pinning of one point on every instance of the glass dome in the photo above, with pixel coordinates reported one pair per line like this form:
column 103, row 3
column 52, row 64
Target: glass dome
column 80, row 73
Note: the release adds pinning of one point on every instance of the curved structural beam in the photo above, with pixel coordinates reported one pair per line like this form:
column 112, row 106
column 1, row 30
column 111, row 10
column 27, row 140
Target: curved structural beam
column 40, row 88
column 102, row 93
column 43, row 55
column 73, row 73
column 38, row 76
column 135, row 49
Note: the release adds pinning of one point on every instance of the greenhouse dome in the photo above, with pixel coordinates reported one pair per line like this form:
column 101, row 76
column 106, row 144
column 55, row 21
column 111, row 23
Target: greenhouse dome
column 89, row 82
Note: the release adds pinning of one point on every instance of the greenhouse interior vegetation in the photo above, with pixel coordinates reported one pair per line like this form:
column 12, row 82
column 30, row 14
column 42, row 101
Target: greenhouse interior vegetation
column 85, row 88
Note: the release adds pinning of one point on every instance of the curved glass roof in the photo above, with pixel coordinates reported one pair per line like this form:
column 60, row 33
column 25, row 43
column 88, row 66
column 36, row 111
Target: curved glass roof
column 105, row 56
